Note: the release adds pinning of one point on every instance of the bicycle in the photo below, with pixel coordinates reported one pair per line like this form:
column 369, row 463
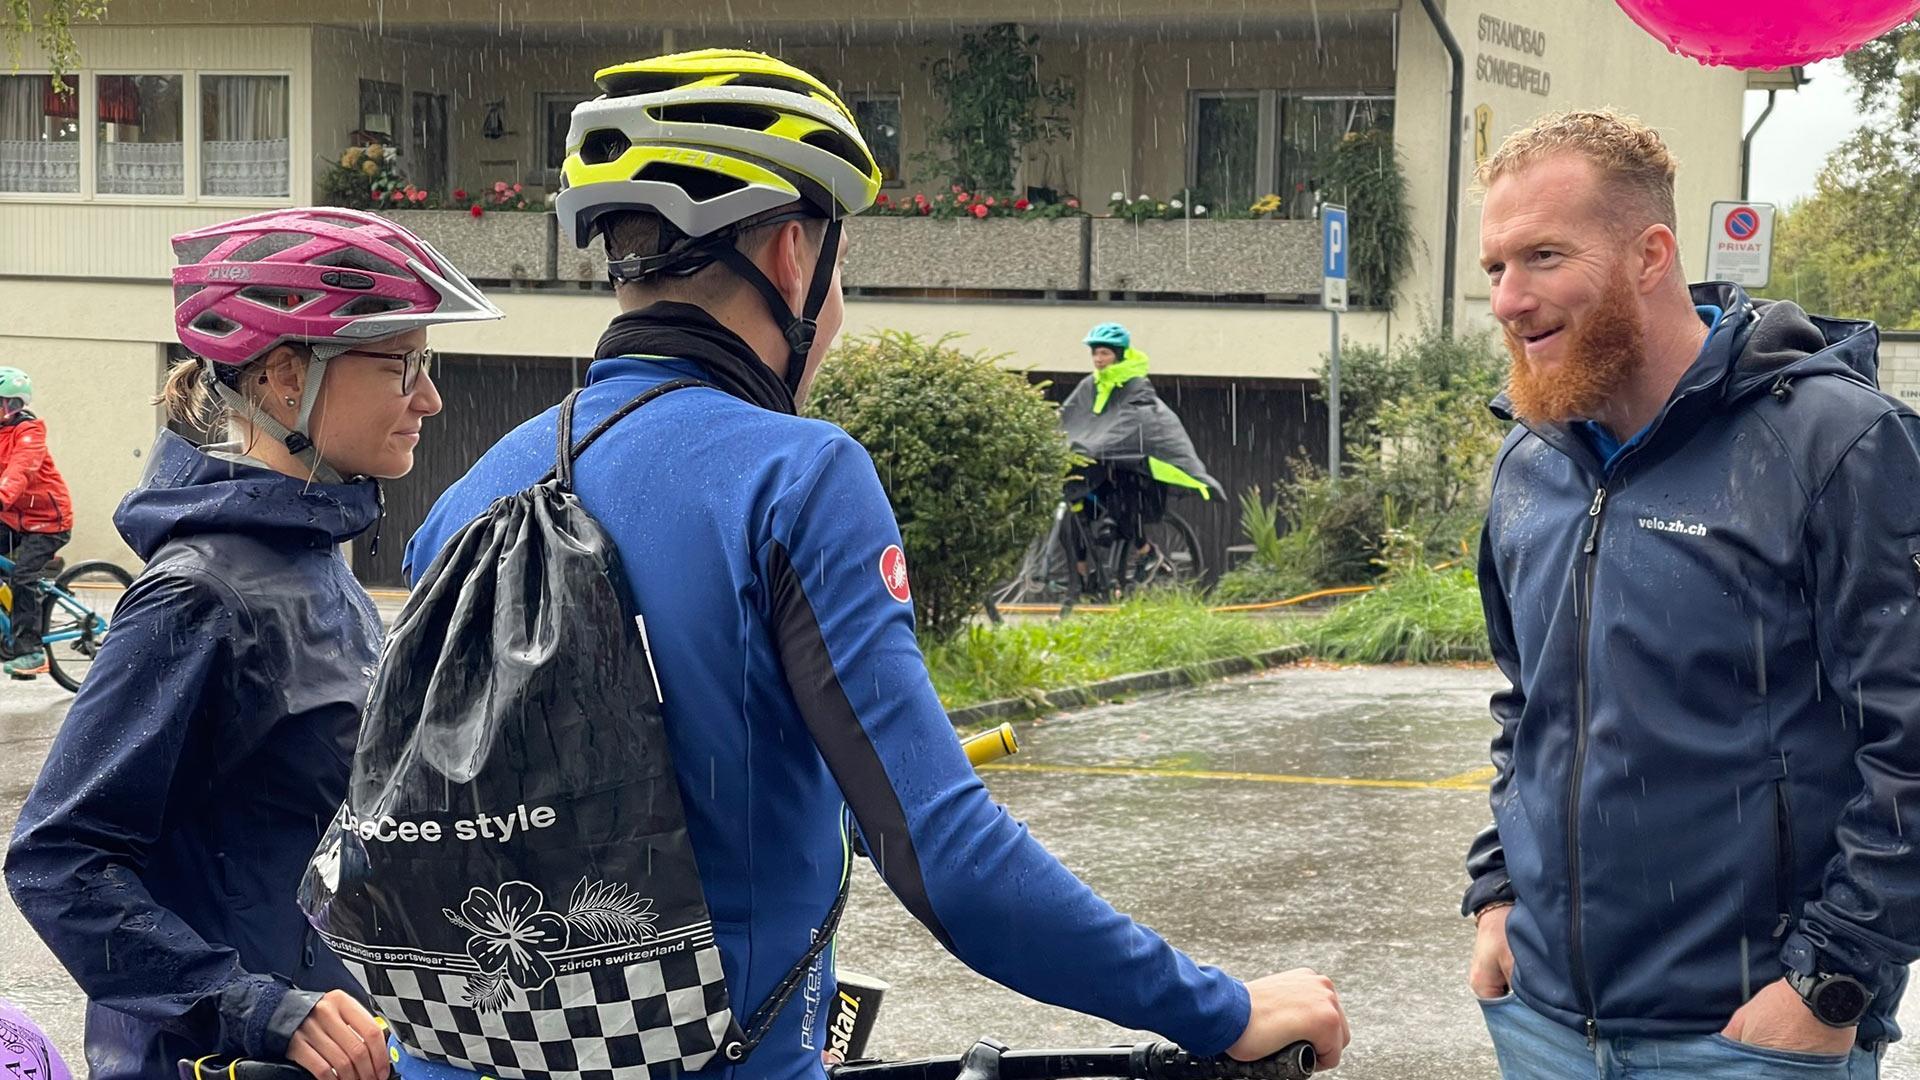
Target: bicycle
column 1092, row 549
column 986, row 1060
column 72, row 620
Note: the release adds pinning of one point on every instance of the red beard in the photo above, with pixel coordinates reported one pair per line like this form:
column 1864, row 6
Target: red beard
column 1607, row 349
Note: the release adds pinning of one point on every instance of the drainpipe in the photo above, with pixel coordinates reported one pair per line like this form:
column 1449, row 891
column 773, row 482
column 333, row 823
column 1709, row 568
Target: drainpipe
column 1454, row 118
column 1746, row 144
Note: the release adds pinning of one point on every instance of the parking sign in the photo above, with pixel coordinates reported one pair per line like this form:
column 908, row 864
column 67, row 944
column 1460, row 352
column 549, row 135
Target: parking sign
column 1333, row 257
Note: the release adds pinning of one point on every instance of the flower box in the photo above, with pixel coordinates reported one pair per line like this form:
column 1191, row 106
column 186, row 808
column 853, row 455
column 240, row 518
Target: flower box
column 1222, row 257
column 958, row 253
column 510, row 246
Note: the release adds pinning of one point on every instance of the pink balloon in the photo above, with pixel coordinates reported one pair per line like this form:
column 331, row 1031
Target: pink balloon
column 1766, row 33
column 25, row 1050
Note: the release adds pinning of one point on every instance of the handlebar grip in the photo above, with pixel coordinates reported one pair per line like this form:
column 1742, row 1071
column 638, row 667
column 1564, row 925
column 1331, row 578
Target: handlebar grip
column 991, row 746
column 1166, row 1061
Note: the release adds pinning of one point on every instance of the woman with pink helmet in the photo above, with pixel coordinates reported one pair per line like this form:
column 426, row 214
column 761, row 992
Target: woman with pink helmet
column 160, row 851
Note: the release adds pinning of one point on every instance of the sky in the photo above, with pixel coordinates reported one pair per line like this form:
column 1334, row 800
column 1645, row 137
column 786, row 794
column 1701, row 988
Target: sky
column 1805, row 127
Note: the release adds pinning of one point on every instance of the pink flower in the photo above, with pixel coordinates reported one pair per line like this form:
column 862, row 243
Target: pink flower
column 963, row 198
column 476, row 211
column 957, row 189
column 1073, row 204
column 499, row 187
column 516, row 189
column 990, row 200
column 979, row 211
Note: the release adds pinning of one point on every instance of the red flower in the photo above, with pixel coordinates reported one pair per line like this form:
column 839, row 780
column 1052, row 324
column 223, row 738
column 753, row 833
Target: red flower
column 920, row 198
column 1022, row 204
column 979, row 211
column 476, row 211
column 419, row 196
column 925, row 209
column 460, row 193
column 882, row 200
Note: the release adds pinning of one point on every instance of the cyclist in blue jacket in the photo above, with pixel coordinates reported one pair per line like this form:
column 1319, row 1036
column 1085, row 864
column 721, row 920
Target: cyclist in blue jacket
column 764, row 553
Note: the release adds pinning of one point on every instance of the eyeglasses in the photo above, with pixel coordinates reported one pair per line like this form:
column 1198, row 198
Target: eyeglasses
column 412, row 364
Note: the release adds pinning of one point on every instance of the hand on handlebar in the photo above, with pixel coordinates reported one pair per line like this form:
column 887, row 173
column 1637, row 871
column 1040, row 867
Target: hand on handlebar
column 1294, row 1006
column 340, row 1039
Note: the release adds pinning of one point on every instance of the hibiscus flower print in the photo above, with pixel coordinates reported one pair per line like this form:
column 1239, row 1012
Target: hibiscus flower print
column 513, row 934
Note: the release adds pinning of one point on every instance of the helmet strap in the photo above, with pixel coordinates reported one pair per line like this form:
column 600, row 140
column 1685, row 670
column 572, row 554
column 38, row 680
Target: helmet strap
column 296, row 439
column 799, row 330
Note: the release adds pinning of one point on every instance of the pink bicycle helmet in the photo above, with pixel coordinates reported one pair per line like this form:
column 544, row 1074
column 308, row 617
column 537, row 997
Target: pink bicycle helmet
column 326, row 277
column 318, row 275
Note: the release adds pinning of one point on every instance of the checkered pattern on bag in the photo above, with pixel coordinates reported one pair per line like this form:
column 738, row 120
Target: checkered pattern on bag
column 642, row 1021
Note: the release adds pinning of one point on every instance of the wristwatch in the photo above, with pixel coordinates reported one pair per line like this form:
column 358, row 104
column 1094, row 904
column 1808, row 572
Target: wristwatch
column 1837, row 1001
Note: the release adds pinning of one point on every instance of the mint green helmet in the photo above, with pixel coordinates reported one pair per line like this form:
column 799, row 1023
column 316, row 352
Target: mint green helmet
column 15, row 383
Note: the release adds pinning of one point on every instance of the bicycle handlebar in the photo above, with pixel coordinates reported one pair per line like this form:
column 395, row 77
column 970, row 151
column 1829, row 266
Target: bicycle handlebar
column 989, row 1060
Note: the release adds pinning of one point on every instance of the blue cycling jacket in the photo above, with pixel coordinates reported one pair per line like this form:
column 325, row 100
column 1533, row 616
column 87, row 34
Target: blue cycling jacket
column 762, row 551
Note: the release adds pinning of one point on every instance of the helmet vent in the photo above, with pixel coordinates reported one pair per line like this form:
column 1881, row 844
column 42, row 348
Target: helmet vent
column 722, row 113
column 839, row 146
column 184, row 293
column 270, row 244
column 215, row 324
column 369, row 305
column 278, row 299
column 192, row 251
column 603, row 145
column 698, row 183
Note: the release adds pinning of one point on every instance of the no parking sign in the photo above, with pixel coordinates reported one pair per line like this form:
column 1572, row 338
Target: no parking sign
column 1741, row 244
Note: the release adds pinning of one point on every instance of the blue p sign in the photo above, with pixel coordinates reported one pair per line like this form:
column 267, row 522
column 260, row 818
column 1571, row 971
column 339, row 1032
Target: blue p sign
column 1333, row 257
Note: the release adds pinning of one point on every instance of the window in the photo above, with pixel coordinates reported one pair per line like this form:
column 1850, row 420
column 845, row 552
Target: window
column 1313, row 126
column 879, row 122
column 142, row 144
column 427, row 148
column 1229, row 146
column 379, row 111
column 243, row 136
column 39, row 135
column 556, row 117
column 1249, row 144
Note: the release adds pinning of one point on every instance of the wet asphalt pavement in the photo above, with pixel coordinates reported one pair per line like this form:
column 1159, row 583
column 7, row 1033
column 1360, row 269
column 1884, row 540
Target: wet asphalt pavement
column 1308, row 817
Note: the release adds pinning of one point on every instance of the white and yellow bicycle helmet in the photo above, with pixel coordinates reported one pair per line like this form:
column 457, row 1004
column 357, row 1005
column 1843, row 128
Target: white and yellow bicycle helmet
column 710, row 141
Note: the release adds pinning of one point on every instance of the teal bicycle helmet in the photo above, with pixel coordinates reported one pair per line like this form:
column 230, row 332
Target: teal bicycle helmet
column 15, row 383
column 1110, row 334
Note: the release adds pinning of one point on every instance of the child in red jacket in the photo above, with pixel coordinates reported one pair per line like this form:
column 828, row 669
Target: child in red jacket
column 36, row 518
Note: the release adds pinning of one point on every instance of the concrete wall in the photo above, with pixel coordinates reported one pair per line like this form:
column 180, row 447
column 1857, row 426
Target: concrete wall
column 1900, row 365
column 94, row 397
column 1585, row 54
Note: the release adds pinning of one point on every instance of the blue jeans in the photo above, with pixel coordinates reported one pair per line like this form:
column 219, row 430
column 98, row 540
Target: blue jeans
column 1532, row 1047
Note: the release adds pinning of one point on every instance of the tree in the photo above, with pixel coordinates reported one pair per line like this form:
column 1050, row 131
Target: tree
column 1853, row 247
column 55, row 22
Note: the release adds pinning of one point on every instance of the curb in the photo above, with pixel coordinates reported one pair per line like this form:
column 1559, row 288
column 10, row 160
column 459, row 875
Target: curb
column 1075, row 697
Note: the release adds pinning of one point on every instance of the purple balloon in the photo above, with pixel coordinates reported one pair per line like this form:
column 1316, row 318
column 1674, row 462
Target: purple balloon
column 25, row 1050
column 1767, row 33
